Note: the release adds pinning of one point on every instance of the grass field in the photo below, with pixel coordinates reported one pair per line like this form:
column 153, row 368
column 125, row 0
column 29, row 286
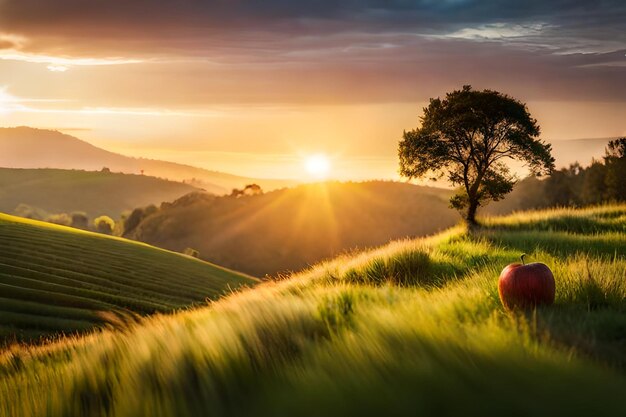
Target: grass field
column 93, row 192
column 412, row 328
column 56, row 279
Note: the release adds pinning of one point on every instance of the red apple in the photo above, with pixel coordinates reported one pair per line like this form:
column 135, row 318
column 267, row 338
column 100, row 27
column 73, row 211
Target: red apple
column 526, row 285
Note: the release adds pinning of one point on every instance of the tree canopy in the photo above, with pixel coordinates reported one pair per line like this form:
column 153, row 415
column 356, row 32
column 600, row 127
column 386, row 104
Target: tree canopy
column 104, row 224
column 466, row 138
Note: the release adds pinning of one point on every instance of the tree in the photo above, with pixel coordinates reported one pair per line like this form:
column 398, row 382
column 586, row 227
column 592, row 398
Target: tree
column 191, row 252
column 104, row 225
column 63, row 219
column 136, row 217
column 467, row 137
column 250, row 189
column 564, row 186
column 30, row 212
column 253, row 189
column 592, row 184
column 615, row 161
column 80, row 220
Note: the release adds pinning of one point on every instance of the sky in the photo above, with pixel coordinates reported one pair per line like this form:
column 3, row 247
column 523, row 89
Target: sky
column 256, row 87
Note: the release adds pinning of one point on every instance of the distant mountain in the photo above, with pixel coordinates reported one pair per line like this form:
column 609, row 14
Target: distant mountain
column 293, row 228
column 53, row 191
column 24, row 147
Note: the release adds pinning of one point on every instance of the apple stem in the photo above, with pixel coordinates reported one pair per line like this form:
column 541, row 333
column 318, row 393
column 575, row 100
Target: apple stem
column 522, row 258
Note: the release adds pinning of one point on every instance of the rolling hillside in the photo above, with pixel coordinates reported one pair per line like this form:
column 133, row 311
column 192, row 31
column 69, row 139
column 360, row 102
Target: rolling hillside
column 93, row 192
column 56, row 279
column 294, row 228
column 24, row 147
column 412, row 328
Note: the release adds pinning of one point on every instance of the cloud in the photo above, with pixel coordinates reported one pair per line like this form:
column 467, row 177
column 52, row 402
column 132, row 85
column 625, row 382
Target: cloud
column 57, row 63
column 10, row 103
column 16, row 107
column 491, row 31
column 352, row 50
column 14, row 48
column 9, row 41
column 6, row 44
column 57, row 68
column 184, row 25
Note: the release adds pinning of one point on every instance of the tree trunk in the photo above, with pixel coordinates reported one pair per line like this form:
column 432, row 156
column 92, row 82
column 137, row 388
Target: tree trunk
column 472, row 197
column 471, row 212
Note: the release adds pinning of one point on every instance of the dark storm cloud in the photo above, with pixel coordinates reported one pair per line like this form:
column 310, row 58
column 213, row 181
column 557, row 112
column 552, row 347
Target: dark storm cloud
column 346, row 50
column 187, row 22
column 596, row 19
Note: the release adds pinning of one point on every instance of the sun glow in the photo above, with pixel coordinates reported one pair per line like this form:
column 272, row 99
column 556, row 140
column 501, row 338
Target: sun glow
column 7, row 101
column 317, row 165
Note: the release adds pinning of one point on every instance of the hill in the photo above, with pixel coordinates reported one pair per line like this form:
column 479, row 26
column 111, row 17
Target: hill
column 293, row 228
column 412, row 328
column 57, row 279
column 24, row 147
column 93, row 192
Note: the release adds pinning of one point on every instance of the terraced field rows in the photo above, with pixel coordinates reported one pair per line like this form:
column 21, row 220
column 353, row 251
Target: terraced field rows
column 56, row 279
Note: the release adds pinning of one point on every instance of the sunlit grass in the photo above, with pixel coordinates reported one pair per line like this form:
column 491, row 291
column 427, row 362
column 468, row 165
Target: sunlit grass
column 413, row 328
column 609, row 217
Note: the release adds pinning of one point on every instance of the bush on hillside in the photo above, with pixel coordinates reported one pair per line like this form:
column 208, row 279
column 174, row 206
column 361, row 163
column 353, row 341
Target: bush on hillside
column 250, row 189
column 192, row 252
column 104, row 225
column 118, row 230
column 80, row 220
column 30, row 212
column 63, row 219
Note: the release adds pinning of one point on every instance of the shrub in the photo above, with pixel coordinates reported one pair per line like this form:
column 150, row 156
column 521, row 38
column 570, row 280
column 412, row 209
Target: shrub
column 80, row 220
column 30, row 212
column 192, row 252
column 104, row 225
column 63, row 219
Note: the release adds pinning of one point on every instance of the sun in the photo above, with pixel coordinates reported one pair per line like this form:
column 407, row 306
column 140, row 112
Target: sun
column 317, row 165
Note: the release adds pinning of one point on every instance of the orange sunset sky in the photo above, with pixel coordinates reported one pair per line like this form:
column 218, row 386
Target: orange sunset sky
column 255, row 87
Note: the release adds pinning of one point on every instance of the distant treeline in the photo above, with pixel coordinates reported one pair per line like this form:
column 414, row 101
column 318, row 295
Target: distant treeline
column 76, row 219
column 602, row 181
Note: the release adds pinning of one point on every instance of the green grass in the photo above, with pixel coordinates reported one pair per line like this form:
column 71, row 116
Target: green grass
column 596, row 219
column 93, row 192
column 57, row 279
column 413, row 328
